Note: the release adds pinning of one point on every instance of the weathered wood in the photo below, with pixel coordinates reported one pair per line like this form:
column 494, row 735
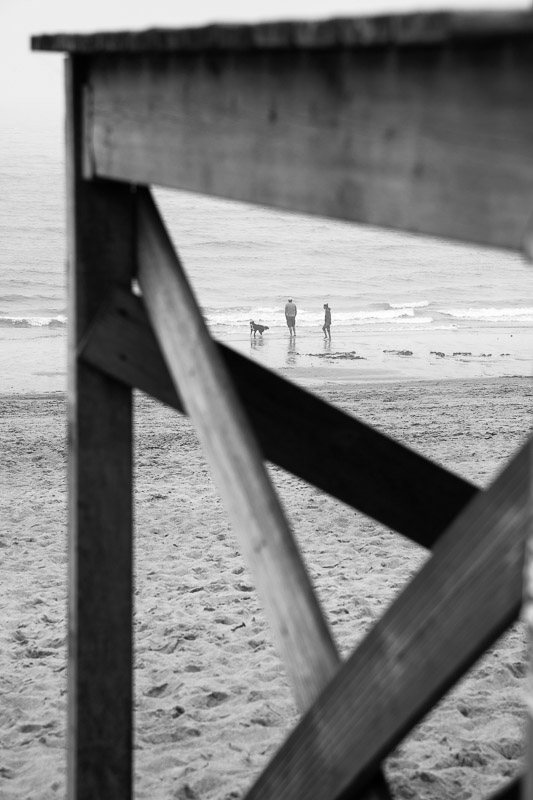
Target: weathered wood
column 122, row 344
column 300, row 630
column 461, row 600
column 527, row 614
column 398, row 30
column 511, row 791
column 296, row 430
column 435, row 139
column 100, row 255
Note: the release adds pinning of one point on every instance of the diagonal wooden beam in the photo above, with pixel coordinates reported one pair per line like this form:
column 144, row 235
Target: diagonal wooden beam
column 295, row 429
column 511, row 791
column 463, row 598
column 304, row 641
column 299, row 627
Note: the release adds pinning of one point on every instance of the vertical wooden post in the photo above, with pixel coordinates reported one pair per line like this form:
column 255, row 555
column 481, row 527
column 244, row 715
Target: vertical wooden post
column 100, row 256
column 526, row 789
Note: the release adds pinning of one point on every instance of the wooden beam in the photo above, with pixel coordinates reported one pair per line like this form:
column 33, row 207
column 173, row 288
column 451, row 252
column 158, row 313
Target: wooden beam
column 300, row 630
column 100, row 256
column 296, row 430
column 121, row 343
column 527, row 614
column 400, row 30
column 511, row 791
column 456, row 606
column 434, row 138
column 303, row 639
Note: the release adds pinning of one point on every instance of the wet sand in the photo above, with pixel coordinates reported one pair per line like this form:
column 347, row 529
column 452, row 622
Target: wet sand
column 212, row 702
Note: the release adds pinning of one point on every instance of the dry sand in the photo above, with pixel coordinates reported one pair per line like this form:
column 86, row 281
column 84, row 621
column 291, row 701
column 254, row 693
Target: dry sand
column 212, row 703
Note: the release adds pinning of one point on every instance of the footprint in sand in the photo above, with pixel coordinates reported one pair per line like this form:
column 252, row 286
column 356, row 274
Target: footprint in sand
column 215, row 699
column 157, row 691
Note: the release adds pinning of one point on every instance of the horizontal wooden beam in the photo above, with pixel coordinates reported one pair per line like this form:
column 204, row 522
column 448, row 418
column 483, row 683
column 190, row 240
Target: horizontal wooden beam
column 434, row 139
column 295, row 429
column 399, row 30
column 456, row 606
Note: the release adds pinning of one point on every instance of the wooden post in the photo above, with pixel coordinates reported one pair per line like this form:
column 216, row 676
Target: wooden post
column 100, row 256
column 527, row 782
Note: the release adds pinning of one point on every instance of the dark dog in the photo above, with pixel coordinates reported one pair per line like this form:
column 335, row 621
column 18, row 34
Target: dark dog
column 257, row 328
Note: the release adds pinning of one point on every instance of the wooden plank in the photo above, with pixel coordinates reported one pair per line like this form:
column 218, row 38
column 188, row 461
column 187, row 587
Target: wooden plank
column 122, row 344
column 511, row 791
column 296, row 430
column 399, row 30
column 527, row 614
column 100, row 255
column 456, row 606
column 300, row 630
column 434, row 139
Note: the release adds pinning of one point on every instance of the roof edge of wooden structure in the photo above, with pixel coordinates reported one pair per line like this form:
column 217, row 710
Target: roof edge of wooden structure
column 350, row 32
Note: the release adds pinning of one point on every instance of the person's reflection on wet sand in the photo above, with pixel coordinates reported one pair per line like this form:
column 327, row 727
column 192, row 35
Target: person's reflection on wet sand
column 291, row 353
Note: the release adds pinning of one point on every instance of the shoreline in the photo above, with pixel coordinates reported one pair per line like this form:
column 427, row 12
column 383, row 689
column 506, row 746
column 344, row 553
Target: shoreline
column 326, row 380
column 211, row 700
column 31, row 359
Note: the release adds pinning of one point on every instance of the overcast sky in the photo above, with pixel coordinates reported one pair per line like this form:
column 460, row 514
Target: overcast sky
column 31, row 84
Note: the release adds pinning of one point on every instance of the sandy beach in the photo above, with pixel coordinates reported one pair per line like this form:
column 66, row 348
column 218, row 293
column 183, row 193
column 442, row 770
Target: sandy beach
column 212, row 702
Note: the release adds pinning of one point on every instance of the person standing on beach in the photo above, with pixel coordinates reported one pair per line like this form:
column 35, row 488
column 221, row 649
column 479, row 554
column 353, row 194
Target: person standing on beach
column 290, row 316
column 327, row 322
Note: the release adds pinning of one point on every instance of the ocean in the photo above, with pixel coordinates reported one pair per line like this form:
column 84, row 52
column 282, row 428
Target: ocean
column 403, row 306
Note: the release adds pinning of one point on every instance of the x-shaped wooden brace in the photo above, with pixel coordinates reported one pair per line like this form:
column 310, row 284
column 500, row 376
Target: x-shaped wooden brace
column 467, row 593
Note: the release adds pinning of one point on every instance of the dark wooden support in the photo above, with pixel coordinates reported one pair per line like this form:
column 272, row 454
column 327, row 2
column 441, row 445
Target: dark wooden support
column 511, row 791
column 100, row 256
column 455, row 607
column 296, row 430
column 527, row 782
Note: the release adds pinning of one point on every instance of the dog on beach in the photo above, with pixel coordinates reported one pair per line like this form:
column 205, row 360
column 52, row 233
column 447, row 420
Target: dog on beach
column 257, row 328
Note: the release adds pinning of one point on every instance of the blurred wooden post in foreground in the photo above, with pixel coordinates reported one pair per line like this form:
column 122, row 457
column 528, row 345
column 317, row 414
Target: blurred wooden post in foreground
column 100, row 256
column 527, row 788
column 419, row 122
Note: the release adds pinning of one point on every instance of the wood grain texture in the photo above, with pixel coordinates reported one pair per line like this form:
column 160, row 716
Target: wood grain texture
column 296, row 430
column 299, row 628
column 461, row 600
column 100, row 255
column 433, row 139
column 398, row 30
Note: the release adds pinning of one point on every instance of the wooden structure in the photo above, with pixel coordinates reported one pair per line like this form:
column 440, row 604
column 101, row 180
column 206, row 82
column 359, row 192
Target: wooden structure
column 420, row 122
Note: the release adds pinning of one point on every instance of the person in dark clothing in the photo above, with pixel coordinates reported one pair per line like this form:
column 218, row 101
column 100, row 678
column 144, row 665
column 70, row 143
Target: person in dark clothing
column 327, row 322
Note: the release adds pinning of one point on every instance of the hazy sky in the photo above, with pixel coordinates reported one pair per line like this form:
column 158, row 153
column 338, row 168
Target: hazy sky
column 31, row 84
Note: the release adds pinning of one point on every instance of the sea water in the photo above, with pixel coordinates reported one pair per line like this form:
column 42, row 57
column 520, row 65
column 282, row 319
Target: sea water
column 402, row 305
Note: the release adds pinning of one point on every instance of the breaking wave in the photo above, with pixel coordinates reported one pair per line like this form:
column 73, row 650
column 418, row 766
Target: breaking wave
column 59, row 321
